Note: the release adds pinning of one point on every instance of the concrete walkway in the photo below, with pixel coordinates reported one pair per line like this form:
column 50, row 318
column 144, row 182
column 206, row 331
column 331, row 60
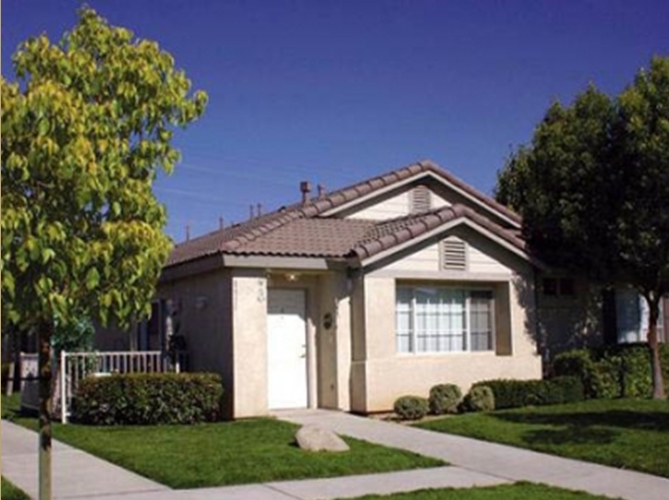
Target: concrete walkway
column 475, row 463
column 495, row 460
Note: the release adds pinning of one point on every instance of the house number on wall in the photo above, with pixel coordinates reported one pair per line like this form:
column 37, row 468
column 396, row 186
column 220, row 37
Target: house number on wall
column 262, row 291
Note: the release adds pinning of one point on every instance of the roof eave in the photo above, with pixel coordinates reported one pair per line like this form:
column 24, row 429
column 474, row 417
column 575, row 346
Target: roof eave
column 434, row 172
column 357, row 260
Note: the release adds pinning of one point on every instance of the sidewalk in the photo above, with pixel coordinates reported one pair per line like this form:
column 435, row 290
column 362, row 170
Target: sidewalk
column 496, row 460
column 475, row 463
column 78, row 475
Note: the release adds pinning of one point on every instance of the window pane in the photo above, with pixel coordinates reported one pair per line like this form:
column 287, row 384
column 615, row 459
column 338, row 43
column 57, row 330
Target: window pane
column 403, row 319
column 481, row 324
column 435, row 318
column 452, row 314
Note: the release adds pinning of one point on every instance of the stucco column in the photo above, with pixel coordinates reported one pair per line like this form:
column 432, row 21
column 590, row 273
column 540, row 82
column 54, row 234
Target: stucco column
column 249, row 310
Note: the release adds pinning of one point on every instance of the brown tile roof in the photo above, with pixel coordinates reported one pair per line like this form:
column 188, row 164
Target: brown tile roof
column 300, row 230
column 389, row 234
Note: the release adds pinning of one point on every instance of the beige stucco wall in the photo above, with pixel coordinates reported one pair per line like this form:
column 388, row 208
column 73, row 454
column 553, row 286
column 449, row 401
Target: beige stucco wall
column 203, row 303
column 386, row 374
column 333, row 344
column 249, row 327
column 396, row 205
column 428, row 258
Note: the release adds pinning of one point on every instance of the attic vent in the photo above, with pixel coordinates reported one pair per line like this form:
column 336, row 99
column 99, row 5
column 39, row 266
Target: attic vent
column 420, row 199
column 454, row 252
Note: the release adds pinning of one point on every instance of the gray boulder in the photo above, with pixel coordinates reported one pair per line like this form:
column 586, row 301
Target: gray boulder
column 314, row 438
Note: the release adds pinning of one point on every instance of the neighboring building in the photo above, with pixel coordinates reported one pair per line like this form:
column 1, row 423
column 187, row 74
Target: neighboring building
column 352, row 298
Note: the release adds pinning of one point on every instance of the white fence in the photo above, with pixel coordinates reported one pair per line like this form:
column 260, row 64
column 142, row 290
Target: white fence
column 76, row 366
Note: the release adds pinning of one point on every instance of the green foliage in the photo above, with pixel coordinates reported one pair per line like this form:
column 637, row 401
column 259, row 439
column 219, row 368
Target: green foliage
column 479, row 398
column 84, row 129
column 149, row 398
column 593, row 190
column 224, row 453
column 510, row 393
column 571, row 389
column 444, row 398
column 12, row 492
column 613, row 371
column 519, row 490
column 76, row 336
column 622, row 433
column 411, row 407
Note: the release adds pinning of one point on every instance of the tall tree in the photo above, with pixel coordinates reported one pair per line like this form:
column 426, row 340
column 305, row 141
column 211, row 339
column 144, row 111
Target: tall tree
column 85, row 128
column 593, row 190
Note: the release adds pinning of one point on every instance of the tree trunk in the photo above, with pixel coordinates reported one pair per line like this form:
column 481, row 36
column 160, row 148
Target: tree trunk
column 653, row 344
column 45, row 331
column 16, row 355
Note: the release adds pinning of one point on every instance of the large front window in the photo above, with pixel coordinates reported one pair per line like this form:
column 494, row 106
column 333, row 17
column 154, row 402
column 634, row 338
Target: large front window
column 444, row 319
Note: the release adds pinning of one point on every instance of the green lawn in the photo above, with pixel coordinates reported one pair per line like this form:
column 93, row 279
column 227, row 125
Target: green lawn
column 10, row 405
column 11, row 492
column 632, row 434
column 517, row 491
column 225, row 453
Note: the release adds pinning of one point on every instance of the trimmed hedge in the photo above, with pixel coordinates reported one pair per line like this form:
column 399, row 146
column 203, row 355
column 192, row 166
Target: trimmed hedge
column 444, row 398
column 479, row 398
column 613, row 371
column 410, row 407
column 519, row 393
column 149, row 399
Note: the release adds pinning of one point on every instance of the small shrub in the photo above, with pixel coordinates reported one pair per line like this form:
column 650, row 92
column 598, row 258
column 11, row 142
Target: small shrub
column 510, row 393
column 410, row 407
column 444, row 398
column 575, row 363
column 613, row 371
column 149, row 399
column 479, row 398
column 570, row 388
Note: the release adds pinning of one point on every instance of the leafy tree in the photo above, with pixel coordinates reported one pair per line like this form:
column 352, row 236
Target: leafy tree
column 593, row 190
column 85, row 128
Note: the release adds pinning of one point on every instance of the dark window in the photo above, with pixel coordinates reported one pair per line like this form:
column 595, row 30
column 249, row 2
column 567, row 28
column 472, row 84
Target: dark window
column 567, row 287
column 550, row 286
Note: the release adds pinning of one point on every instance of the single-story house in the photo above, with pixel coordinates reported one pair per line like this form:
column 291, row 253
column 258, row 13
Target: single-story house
column 351, row 298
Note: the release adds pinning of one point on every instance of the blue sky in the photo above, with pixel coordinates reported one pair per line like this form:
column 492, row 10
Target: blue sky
column 335, row 92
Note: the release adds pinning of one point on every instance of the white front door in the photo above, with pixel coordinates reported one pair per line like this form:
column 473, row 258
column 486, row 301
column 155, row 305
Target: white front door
column 286, row 349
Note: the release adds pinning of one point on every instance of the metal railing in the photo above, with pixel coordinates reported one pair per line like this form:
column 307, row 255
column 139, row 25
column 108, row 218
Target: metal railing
column 76, row 366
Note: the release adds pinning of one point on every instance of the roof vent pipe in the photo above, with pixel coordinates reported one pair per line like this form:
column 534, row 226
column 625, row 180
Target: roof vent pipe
column 251, row 214
column 321, row 191
column 187, row 232
column 259, row 209
column 221, row 223
column 305, row 188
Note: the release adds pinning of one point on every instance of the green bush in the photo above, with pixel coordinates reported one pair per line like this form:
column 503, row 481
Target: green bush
column 575, row 363
column 149, row 399
column 613, row 371
column 410, row 407
column 479, row 398
column 571, row 388
column 511, row 393
column 444, row 398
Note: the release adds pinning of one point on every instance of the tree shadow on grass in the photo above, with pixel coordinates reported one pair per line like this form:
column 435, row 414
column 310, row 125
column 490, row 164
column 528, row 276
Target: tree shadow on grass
column 627, row 419
column 585, row 427
column 570, row 435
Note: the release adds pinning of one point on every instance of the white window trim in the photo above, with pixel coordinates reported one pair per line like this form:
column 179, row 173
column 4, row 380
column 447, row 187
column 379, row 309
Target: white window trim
column 467, row 322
